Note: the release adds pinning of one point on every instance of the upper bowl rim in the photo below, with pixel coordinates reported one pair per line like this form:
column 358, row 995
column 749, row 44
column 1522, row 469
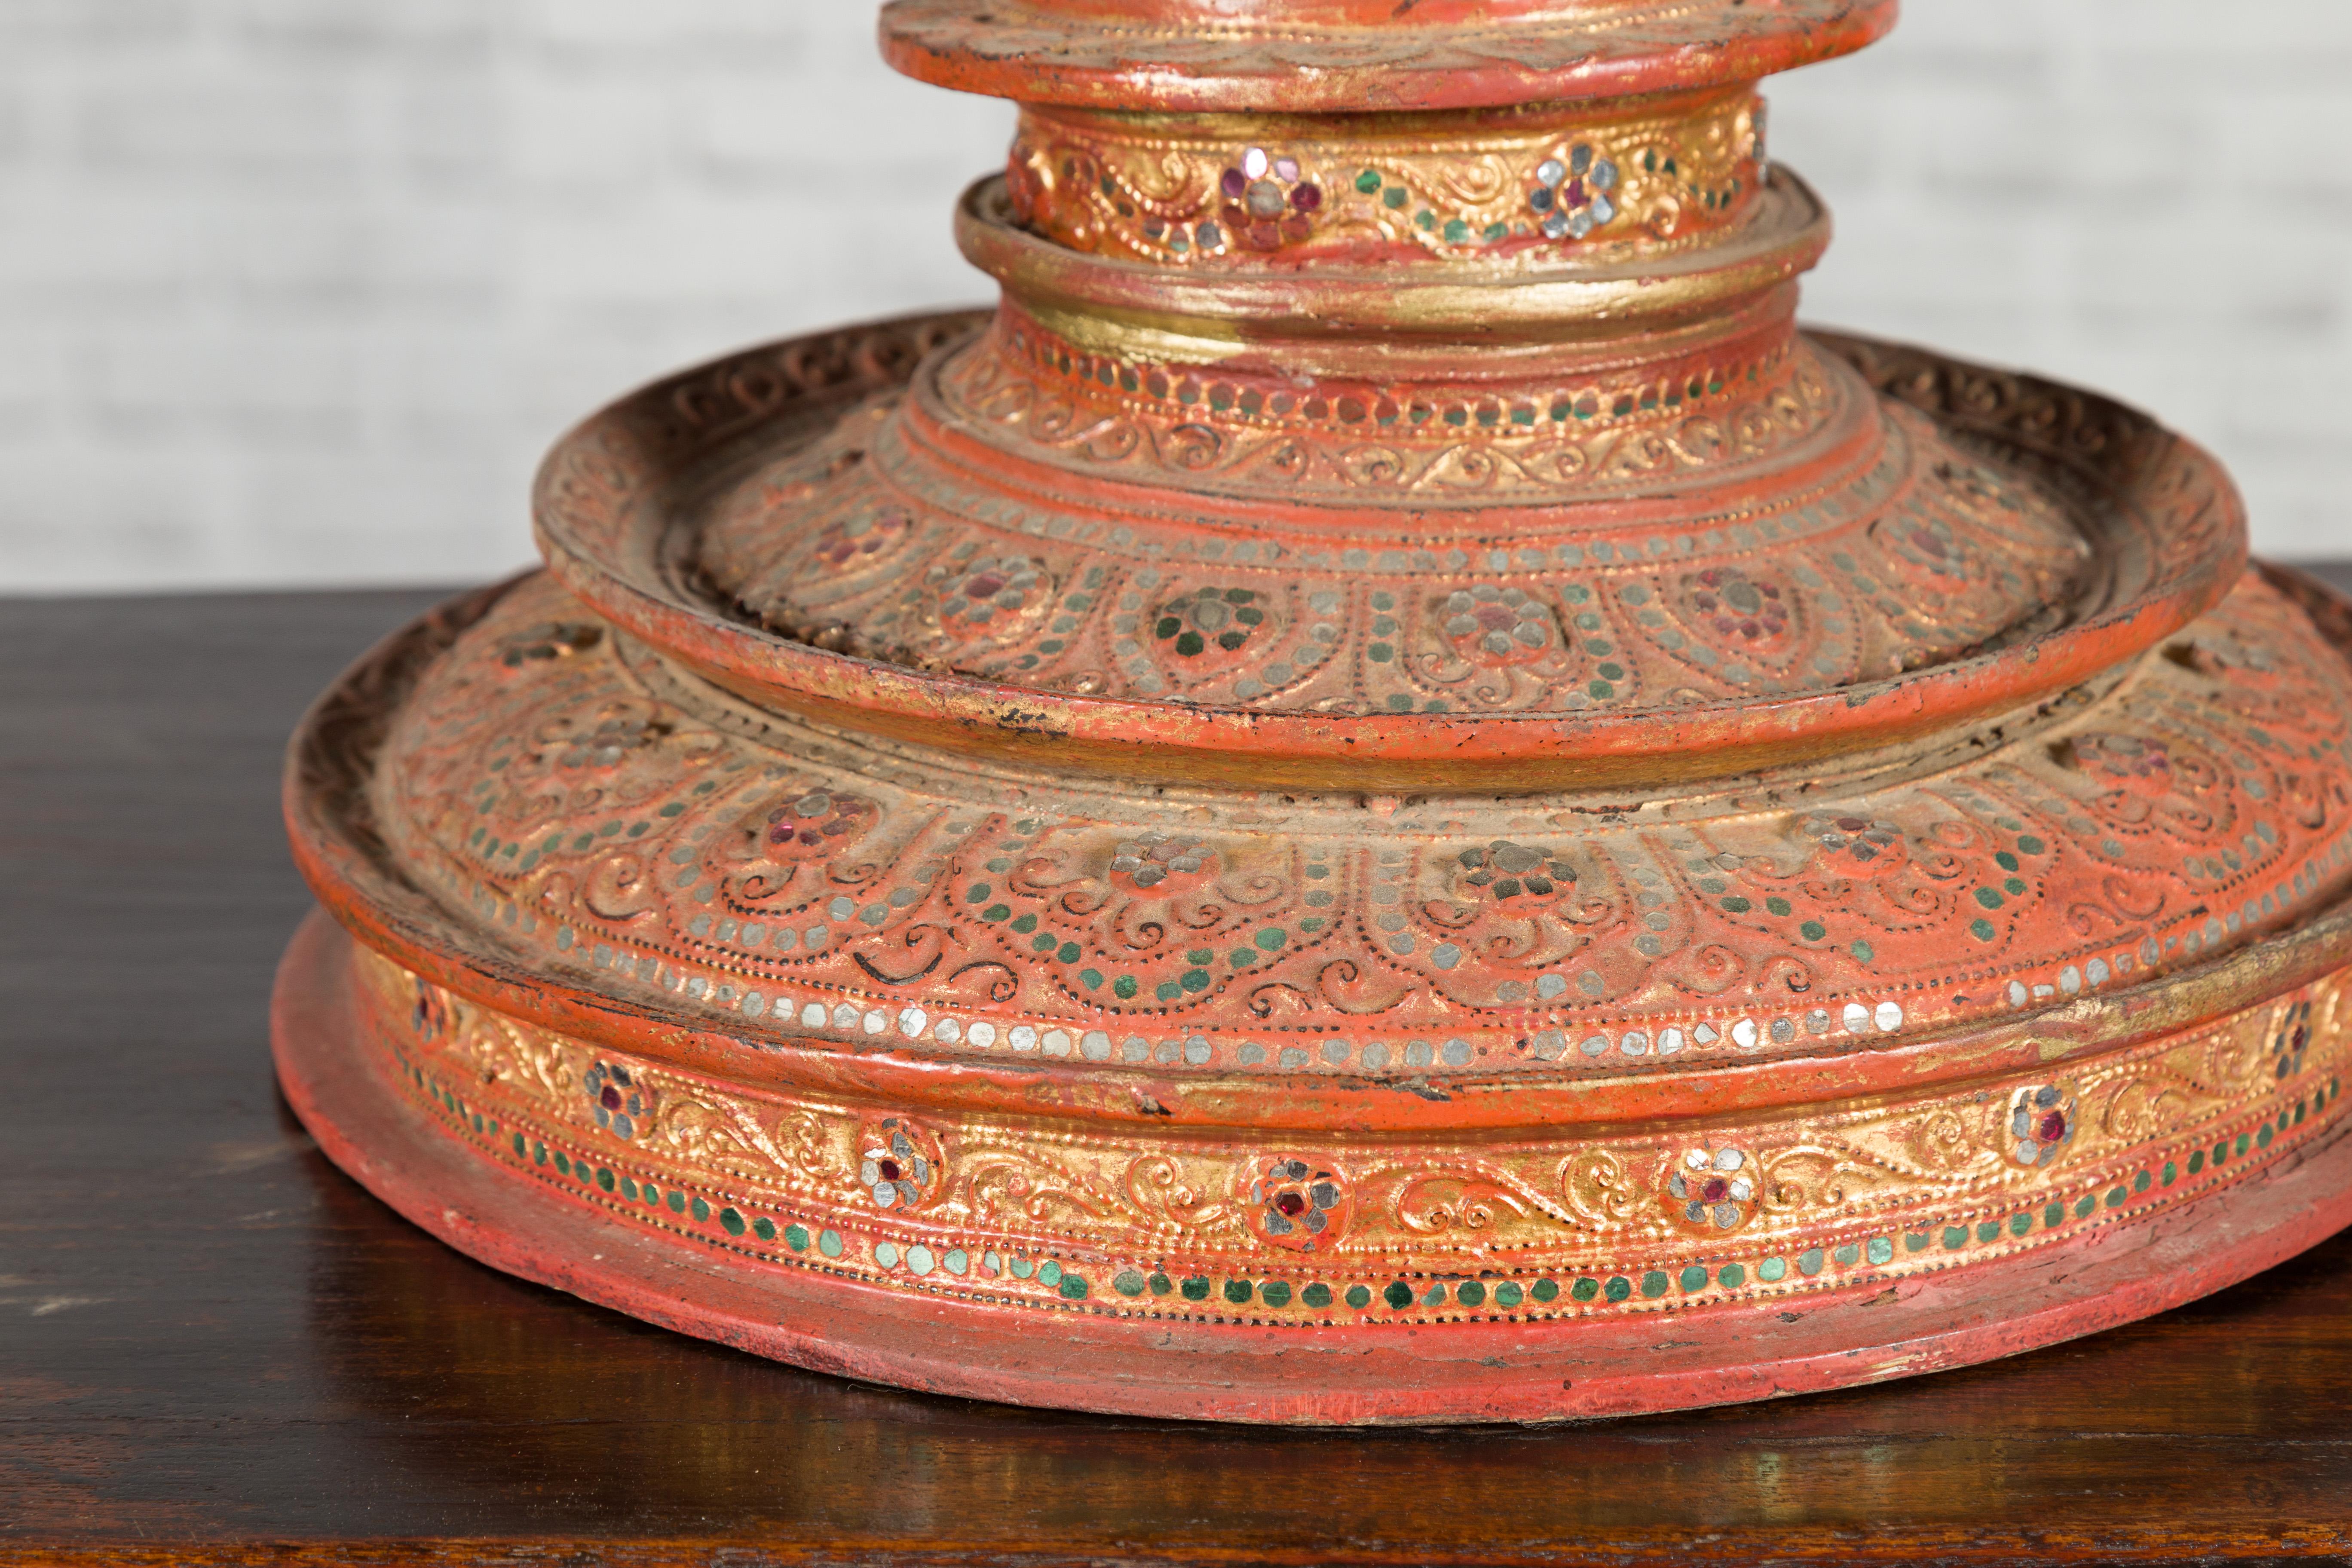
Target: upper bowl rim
column 1174, row 58
column 626, row 572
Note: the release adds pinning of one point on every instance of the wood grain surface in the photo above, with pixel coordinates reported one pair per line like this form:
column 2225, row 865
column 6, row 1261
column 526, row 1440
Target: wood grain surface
column 216, row 1348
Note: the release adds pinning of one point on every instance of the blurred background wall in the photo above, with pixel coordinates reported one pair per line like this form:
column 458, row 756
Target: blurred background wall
column 295, row 291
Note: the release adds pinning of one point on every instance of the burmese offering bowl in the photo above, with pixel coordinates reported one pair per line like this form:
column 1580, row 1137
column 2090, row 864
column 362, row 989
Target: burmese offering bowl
column 1382, row 798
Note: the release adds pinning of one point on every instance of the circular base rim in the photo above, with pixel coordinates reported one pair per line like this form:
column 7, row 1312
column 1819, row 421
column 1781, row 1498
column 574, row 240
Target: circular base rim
column 1450, row 1374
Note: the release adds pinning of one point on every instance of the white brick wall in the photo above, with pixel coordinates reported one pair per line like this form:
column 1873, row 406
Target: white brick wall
column 296, row 290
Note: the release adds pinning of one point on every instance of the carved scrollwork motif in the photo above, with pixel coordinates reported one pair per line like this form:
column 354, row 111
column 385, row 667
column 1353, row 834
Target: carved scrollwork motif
column 826, row 890
column 1763, row 1185
column 1536, row 187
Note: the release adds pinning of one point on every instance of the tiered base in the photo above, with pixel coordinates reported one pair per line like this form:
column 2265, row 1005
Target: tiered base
column 1488, row 1371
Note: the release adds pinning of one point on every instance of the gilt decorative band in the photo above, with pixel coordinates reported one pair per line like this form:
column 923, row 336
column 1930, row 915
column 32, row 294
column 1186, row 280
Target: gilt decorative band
column 1524, row 184
column 1325, row 1229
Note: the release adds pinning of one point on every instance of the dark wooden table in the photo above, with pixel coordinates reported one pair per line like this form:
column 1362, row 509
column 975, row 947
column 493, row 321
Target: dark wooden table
column 214, row 1348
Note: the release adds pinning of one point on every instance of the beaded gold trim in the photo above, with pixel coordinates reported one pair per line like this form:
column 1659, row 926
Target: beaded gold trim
column 1530, row 182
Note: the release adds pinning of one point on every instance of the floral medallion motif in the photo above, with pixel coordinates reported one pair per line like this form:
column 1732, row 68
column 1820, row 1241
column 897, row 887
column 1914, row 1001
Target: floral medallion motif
column 1514, row 875
column 818, row 824
column 2041, row 1124
column 852, row 543
column 1296, row 1204
column 1571, row 199
column 2136, row 763
column 1266, row 201
column 898, row 1163
column 1490, row 624
column 1738, row 608
column 1930, row 555
column 990, row 599
column 1855, row 845
column 1199, row 626
column 1161, row 864
column 430, row 1018
column 616, row 1098
column 613, row 738
column 1714, row 1187
column 2293, row 1038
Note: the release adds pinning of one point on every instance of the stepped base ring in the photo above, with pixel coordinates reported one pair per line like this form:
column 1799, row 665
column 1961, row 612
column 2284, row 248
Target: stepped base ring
column 1468, row 1373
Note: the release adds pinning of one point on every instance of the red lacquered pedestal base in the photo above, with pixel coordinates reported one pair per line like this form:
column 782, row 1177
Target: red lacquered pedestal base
column 1445, row 1374
column 1385, row 797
